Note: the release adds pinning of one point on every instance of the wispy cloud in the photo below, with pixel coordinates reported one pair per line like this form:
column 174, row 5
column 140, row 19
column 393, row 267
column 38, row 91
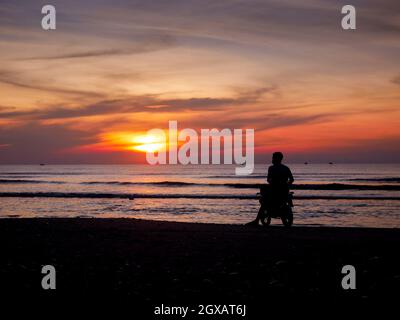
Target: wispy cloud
column 10, row 79
column 396, row 80
column 79, row 55
column 136, row 104
column 145, row 47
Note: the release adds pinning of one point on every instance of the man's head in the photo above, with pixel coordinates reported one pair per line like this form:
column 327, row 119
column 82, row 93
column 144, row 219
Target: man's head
column 277, row 157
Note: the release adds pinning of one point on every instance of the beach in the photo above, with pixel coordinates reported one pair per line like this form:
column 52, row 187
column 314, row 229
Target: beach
column 154, row 262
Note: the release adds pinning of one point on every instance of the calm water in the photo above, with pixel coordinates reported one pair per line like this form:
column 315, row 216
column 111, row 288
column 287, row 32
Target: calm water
column 334, row 195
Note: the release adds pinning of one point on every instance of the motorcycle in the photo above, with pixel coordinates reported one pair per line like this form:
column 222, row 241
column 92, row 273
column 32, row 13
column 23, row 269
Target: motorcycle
column 275, row 205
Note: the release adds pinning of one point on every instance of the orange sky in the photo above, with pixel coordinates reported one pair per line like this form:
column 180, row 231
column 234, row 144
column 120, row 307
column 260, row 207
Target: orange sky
column 284, row 68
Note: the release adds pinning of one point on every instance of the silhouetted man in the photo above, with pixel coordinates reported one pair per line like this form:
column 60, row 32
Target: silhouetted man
column 279, row 178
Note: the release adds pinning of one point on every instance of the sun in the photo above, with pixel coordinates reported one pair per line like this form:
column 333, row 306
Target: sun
column 136, row 142
column 150, row 147
column 148, row 143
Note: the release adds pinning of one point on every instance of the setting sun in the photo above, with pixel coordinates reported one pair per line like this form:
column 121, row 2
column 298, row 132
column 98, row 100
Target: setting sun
column 142, row 142
column 148, row 143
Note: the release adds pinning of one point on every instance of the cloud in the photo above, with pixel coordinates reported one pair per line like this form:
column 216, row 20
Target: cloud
column 6, row 109
column 260, row 122
column 36, row 142
column 396, row 80
column 78, row 55
column 145, row 46
column 144, row 103
column 13, row 80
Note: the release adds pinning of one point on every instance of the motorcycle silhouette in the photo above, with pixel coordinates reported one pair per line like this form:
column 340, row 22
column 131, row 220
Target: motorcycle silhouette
column 275, row 204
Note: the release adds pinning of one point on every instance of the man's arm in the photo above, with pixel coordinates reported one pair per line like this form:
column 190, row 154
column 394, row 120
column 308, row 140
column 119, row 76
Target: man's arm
column 291, row 179
column 269, row 175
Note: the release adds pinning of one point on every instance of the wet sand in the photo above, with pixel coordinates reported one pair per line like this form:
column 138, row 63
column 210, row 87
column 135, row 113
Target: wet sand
column 149, row 262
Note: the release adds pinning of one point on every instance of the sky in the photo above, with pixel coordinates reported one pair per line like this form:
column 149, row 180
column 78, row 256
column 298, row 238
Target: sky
column 112, row 70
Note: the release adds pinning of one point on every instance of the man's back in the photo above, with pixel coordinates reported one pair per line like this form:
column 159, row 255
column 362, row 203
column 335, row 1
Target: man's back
column 279, row 175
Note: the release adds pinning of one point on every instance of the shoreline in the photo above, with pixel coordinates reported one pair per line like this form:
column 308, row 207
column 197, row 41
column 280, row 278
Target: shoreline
column 275, row 222
column 133, row 222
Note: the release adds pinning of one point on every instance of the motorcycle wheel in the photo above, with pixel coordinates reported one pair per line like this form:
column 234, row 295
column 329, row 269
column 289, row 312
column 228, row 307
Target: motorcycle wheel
column 287, row 220
column 267, row 222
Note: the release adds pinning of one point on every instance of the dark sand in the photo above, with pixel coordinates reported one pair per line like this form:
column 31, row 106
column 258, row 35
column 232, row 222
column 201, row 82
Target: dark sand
column 150, row 262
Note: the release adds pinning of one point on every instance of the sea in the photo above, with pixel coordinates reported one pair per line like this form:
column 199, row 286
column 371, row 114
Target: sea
column 346, row 195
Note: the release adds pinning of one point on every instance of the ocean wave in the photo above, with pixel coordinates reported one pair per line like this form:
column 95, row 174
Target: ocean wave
column 42, row 173
column 297, row 174
column 18, row 181
column 321, row 186
column 159, row 183
column 89, row 173
column 377, row 179
column 237, row 177
column 326, row 186
column 83, row 195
